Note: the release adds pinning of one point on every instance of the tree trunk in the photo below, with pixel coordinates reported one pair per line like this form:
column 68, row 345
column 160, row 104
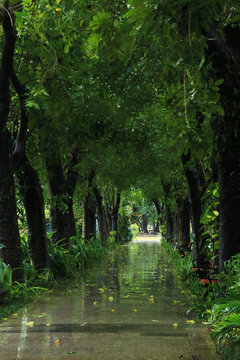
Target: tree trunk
column 31, row 192
column 159, row 209
column 145, row 223
column 101, row 216
column 89, row 217
column 9, row 234
column 114, row 215
column 169, row 218
column 156, row 227
column 169, row 224
column 193, row 181
column 183, row 224
column 224, row 52
column 229, row 189
column 61, row 212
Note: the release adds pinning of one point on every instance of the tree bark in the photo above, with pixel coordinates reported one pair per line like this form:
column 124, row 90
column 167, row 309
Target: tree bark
column 183, row 224
column 61, row 212
column 226, row 65
column 193, row 181
column 169, row 224
column 9, row 234
column 114, row 215
column 31, row 191
column 101, row 216
column 89, row 217
column 145, row 223
column 159, row 209
column 156, row 227
column 169, row 218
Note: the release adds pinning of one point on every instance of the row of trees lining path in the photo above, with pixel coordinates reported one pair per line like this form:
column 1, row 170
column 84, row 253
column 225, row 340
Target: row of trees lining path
column 99, row 98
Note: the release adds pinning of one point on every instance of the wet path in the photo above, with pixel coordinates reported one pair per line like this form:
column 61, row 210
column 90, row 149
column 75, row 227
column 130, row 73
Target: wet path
column 129, row 308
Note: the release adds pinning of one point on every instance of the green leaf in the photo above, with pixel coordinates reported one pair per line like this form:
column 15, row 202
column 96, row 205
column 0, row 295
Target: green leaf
column 219, row 82
column 66, row 49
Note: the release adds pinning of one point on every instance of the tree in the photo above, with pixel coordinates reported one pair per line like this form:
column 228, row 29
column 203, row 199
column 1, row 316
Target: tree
column 9, row 234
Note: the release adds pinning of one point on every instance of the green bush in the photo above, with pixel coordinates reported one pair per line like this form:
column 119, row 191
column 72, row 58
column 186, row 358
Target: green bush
column 67, row 263
column 218, row 305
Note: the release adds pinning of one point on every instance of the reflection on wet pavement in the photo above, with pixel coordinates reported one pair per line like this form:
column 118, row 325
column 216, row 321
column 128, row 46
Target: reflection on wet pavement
column 130, row 307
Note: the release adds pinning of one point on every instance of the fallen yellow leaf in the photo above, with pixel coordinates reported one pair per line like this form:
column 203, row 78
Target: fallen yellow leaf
column 175, row 325
column 48, row 324
column 101, row 290
column 175, row 302
column 30, row 324
column 156, row 321
column 110, row 298
column 58, row 9
column 113, row 310
column 151, row 299
column 95, row 303
column 57, row 342
column 135, row 310
column 4, row 319
column 190, row 321
column 15, row 314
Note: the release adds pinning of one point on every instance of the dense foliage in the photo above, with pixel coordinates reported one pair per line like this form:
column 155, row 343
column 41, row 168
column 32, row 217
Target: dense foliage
column 107, row 108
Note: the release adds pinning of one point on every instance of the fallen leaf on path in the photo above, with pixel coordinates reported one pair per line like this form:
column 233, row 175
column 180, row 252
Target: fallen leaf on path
column 57, row 342
column 156, row 321
column 175, row 302
column 48, row 324
column 110, row 298
column 41, row 315
column 101, row 290
column 95, row 303
column 113, row 310
column 151, row 299
column 135, row 310
column 175, row 325
column 4, row 319
column 15, row 314
column 30, row 324
column 190, row 321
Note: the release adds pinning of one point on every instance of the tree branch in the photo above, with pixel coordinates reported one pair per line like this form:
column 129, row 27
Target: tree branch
column 230, row 56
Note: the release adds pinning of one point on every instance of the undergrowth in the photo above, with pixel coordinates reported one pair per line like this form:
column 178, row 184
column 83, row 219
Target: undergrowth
column 217, row 305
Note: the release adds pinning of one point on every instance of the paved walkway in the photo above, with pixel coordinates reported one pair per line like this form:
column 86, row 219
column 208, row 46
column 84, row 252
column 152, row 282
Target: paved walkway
column 131, row 307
